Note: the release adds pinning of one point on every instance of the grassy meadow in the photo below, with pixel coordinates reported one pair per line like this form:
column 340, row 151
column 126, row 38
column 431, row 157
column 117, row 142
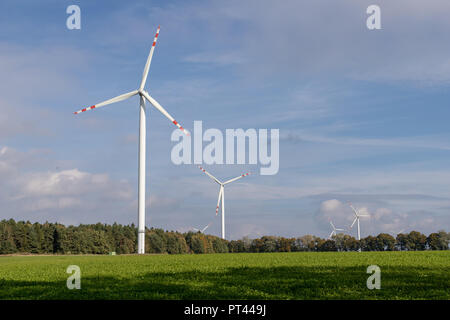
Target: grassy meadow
column 295, row 275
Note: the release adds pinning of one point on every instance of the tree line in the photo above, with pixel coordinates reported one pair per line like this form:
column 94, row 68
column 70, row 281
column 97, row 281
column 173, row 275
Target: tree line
column 54, row 238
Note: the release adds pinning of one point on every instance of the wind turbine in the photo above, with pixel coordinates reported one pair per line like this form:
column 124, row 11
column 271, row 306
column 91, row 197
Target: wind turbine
column 395, row 234
column 334, row 230
column 202, row 230
column 222, row 195
column 143, row 95
column 357, row 216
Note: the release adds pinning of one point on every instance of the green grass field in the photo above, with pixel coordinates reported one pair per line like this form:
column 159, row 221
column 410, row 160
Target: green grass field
column 302, row 275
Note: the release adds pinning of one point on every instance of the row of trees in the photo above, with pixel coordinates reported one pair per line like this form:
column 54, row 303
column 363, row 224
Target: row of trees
column 383, row 242
column 25, row 237
column 53, row 238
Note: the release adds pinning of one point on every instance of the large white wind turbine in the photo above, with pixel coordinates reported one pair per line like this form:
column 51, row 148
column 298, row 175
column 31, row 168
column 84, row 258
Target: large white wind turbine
column 222, row 195
column 142, row 138
column 357, row 216
column 333, row 233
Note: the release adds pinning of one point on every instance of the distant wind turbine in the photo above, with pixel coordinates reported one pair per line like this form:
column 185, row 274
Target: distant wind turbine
column 202, row 230
column 397, row 233
column 222, row 195
column 142, row 138
column 357, row 216
column 333, row 233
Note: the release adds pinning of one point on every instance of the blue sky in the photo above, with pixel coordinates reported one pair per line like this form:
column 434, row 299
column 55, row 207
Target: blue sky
column 362, row 114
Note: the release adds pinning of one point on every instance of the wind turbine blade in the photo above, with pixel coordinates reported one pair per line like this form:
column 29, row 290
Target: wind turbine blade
column 105, row 103
column 206, row 227
column 332, row 225
column 210, row 175
column 354, row 222
column 237, row 178
column 331, row 234
column 149, row 61
column 163, row 111
column 353, row 208
column 218, row 200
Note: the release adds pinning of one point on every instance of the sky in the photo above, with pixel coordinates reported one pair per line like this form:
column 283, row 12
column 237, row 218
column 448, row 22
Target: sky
column 362, row 114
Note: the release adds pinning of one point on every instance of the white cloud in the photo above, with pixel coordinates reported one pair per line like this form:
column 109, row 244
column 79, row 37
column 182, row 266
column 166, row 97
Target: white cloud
column 250, row 230
column 41, row 204
column 330, row 205
column 28, row 192
column 71, row 182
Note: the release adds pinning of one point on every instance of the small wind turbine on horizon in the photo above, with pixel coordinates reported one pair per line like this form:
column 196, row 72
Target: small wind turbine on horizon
column 202, row 230
column 357, row 216
column 395, row 234
column 333, row 233
column 142, row 138
column 221, row 198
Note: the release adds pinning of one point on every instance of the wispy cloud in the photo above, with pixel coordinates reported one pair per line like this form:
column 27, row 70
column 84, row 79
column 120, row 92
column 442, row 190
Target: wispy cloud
column 425, row 142
column 218, row 58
